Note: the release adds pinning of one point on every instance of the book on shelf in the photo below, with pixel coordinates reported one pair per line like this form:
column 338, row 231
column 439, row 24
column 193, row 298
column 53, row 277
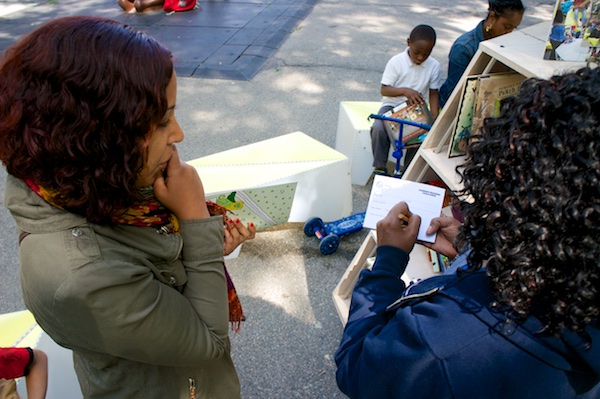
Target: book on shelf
column 491, row 90
column 464, row 120
column 418, row 113
column 480, row 99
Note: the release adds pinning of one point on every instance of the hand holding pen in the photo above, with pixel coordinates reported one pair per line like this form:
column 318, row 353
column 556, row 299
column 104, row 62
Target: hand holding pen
column 399, row 228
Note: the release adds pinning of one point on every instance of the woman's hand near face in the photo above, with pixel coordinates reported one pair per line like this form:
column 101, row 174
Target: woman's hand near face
column 447, row 229
column 181, row 190
column 395, row 232
column 236, row 233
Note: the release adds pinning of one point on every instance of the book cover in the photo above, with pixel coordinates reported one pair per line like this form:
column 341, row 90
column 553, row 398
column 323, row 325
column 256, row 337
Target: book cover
column 418, row 113
column 263, row 206
column 491, row 90
column 464, row 121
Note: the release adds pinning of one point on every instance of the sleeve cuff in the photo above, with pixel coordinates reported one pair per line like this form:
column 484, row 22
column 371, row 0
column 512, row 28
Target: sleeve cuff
column 391, row 259
column 203, row 239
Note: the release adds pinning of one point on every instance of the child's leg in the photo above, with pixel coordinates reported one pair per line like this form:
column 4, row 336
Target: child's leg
column 380, row 142
column 126, row 5
column 37, row 379
column 144, row 5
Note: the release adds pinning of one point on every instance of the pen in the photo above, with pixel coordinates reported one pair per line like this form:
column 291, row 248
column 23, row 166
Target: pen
column 403, row 218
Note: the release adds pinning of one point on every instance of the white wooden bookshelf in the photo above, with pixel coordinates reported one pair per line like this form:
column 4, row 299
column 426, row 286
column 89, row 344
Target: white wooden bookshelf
column 521, row 51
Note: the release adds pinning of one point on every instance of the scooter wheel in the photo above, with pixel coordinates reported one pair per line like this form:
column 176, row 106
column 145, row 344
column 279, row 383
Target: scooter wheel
column 329, row 244
column 311, row 226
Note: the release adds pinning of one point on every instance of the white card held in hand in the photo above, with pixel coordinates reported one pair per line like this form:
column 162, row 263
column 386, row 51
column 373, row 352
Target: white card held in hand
column 422, row 199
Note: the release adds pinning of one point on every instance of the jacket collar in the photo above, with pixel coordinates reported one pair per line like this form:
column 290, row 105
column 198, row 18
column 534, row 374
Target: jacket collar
column 34, row 215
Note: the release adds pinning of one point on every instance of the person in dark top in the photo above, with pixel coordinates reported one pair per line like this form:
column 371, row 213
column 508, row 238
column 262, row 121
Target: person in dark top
column 518, row 317
column 503, row 17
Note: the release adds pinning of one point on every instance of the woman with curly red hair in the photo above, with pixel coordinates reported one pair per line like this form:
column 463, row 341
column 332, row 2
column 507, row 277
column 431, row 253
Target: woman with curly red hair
column 520, row 317
column 87, row 135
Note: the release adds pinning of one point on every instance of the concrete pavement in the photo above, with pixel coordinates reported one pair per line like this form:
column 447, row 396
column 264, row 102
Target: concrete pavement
column 336, row 53
column 219, row 39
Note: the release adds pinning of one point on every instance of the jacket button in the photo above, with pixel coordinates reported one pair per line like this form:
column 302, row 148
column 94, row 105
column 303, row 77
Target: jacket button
column 172, row 280
column 77, row 232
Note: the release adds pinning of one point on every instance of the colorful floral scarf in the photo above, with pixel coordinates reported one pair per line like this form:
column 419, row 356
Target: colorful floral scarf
column 148, row 212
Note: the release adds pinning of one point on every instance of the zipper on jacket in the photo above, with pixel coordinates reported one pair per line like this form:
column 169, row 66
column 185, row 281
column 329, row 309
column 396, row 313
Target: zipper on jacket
column 192, row 387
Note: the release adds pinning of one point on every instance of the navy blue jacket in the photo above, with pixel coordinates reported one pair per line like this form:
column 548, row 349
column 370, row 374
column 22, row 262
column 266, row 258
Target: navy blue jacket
column 462, row 51
column 442, row 340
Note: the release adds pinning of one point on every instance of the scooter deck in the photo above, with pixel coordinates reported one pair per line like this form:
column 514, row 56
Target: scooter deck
column 347, row 225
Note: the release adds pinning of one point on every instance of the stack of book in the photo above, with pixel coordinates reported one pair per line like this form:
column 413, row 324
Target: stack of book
column 481, row 99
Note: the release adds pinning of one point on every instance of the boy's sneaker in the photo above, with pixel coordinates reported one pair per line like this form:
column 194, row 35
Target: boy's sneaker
column 381, row 172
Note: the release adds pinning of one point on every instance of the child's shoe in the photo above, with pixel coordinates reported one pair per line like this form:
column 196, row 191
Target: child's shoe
column 381, row 172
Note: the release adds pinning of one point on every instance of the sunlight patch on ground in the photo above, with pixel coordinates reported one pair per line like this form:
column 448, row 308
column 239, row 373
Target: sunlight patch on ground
column 254, row 121
column 298, row 82
column 360, row 86
column 6, row 9
column 207, row 116
column 342, row 52
column 465, row 24
column 374, row 23
column 419, row 9
column 289, row 294
column 279, row 279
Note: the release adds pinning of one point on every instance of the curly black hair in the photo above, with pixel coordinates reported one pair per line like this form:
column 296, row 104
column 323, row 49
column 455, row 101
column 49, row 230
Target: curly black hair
column 534, row 176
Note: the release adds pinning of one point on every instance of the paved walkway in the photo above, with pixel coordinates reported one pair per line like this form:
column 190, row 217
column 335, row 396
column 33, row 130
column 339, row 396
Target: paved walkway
column 219, row 39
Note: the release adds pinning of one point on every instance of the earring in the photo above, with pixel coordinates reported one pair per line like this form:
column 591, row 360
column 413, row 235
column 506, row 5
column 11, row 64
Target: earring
column 488, row 28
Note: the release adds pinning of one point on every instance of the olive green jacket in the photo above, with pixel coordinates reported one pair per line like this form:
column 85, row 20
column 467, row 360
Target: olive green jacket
column 145, row 314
